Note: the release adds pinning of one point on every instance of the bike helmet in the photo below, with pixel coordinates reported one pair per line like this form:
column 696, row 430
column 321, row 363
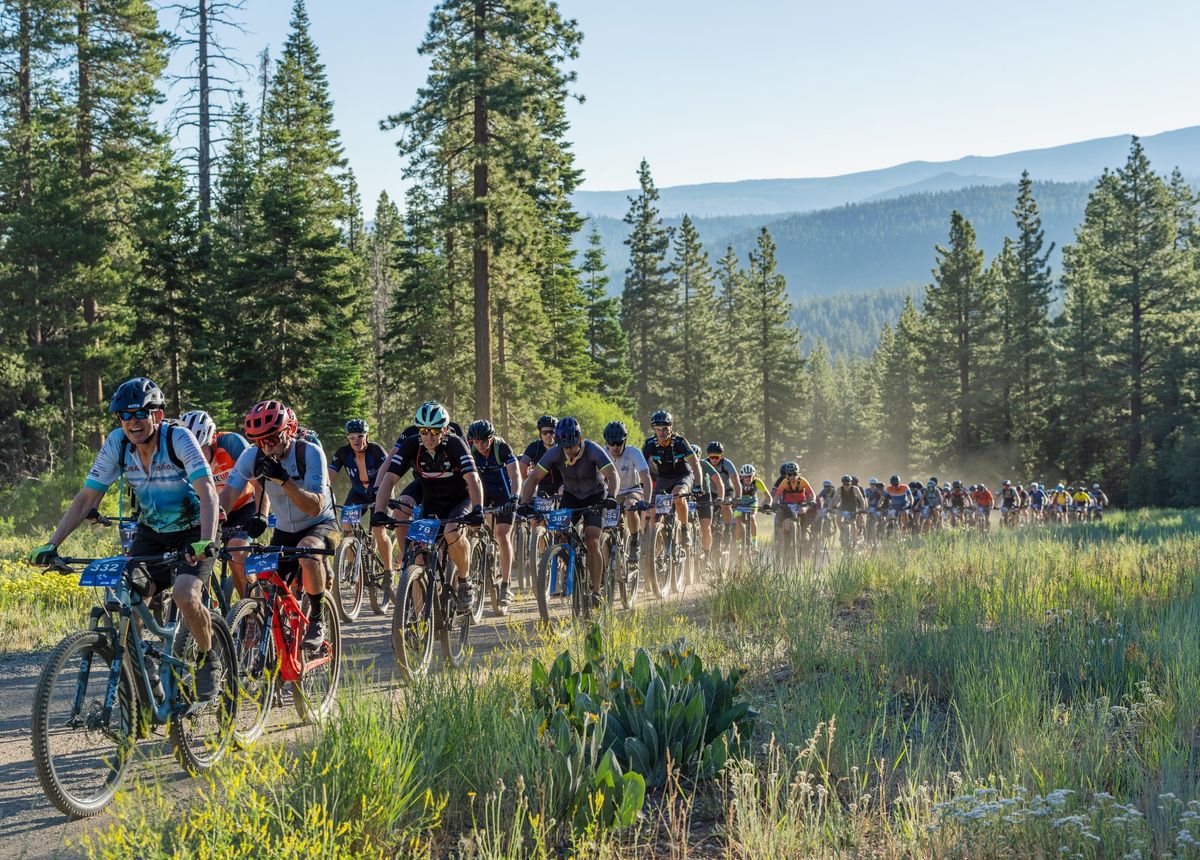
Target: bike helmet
column 433, row 415
column 567, row 432
column 1095, row 486
column 873, row 481
column 789, row 469
column 546, row 421
column 661, row 418
column 267, row 418
column 747, row 470
column 845, row 479
column 894, row 480
column 982, row 487
column 854, row 480
column 715, row 447
column 356, row 425
column 972, row 488
column 292, row 424
column 934, row 479
column 615, row 432
column 695, row 449
column 932, row 484
column 827, row 483
column 480, row 430
column 136, row 393
column 1007, row 483
column 957, row 484
column 201, row 425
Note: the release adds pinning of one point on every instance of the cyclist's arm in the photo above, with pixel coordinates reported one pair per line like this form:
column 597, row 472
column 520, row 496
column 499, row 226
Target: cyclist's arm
column 206, row 491
column 532, row 478
column 609, row 473
column 86, row 499
column 514, row 478
column 474, row 488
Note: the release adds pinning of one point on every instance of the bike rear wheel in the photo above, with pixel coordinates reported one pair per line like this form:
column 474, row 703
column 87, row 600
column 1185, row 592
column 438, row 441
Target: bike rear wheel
column 254, row 666
column 203, row 736
column 79, row 767
column 316, row 690
column 350, row 566
column 412, row 629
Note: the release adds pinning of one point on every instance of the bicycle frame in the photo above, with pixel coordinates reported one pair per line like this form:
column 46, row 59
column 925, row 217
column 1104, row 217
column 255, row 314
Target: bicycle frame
column 283, row 609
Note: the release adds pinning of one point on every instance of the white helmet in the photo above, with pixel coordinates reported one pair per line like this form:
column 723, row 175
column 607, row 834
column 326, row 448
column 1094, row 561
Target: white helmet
column 201, row 425
column 747, row 470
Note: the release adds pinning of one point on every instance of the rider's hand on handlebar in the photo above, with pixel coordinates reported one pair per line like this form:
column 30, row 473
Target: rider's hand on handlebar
column 642, row 505
column 609, row 503
column 380, row 518
column 44, row 554
column 256, row 526
column 475, row 517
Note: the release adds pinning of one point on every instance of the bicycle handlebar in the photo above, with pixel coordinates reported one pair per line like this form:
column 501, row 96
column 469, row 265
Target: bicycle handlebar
column 282, row 550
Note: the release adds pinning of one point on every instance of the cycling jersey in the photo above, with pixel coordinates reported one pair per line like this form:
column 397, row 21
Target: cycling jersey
column 534, row 452
column 793, row 492
column 874, row 498
column 899, row 497
column 630, row 466
column 958, row 497
column 1009, row 497
column 824, row 497
column 728, row 473
column 1082, row 498
column 493, row 468
column 581, row 476
column 848, row 499
column 361, row 468
column 670, row 461
column 227, row 447
column 440, row 471
column 166, row 500
column 933, row 497
column 1037, row 497
column 750, row 489
column 288, row 517
column 983, row 499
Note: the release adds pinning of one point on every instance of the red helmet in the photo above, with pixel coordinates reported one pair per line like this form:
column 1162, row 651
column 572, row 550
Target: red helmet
column 292, row 423
column 267, row 418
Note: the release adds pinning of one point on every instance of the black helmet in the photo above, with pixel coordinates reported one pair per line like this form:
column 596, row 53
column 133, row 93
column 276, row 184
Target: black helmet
column 854, row 480
column 661, row 417
column 356, row 425
column 846, row 479
column 546, row 421
column 481, row 429
column 791, row 469
column 615, row 433
column 894, row 480
column 715, row 447
column 567, row 432
column 137, row 393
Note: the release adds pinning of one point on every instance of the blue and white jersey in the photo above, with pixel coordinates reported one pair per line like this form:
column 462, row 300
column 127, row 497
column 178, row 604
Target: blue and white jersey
column 288, row 517
column 166, row 499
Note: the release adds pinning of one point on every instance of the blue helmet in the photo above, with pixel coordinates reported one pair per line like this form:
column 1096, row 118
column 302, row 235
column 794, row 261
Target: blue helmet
column 136, row 393
column 567, row 432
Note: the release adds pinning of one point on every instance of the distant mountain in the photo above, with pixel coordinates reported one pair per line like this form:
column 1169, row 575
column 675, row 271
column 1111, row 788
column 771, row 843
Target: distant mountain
column 882, row 244
column 1072, row 162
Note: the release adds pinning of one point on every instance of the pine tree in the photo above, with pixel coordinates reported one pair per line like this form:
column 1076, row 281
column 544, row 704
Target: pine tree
column 898, row 368
column 960, row 319
column 382, row 253
column 770, row 362
column 696, row 386
column 825, row 400
column 607, row 344
column 648, row 299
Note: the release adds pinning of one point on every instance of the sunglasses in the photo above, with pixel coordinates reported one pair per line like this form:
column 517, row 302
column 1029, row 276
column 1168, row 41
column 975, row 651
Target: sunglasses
column 268, row 441
column 658, row 427
column 714, row 457
column 430, row 431
column 130, row 414
column 546, row 431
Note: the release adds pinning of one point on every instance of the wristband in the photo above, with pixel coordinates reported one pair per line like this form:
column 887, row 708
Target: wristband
column 200, row 548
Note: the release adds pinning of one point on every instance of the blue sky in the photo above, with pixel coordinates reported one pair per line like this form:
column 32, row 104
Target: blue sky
column 717, row 91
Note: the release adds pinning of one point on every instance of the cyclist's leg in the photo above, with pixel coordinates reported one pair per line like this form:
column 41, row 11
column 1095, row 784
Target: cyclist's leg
column 188, row 594
column 236, row 521
column 633, row 520
column 503, row 532
column 704, row 510
column 458, row 548
column 595, row 564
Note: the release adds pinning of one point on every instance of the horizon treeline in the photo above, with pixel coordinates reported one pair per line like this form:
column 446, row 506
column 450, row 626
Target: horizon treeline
column 241, row 267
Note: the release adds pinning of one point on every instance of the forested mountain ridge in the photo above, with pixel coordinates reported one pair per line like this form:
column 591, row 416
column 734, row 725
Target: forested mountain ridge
column 882, row 244
column 1081, row 161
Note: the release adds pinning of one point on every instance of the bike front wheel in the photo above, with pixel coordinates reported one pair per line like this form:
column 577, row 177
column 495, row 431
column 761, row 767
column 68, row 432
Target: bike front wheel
column 350, row 565
column 254, row 668
column 80, row 763
column 553, row 567
column 412, row 628
column 454, row 626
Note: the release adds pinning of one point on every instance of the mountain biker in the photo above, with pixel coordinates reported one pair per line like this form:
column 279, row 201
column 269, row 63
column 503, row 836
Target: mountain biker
column 447, row 485
column 729, row 475
column 551, row 484
column 674, row 466
column 177, row 501
column 791, row 488
column 983, row 502
column 634, row 474
column 709, row 492
column 294, row 474
column 501, row 483
column 362, row 460
column 1010, row 499
column 221, row 450
column 899, row 497
column 749, row 488
column 589, row 479
column 1099, row 496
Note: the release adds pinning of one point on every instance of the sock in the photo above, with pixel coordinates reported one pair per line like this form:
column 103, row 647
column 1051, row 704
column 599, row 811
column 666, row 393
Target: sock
column 315, row 605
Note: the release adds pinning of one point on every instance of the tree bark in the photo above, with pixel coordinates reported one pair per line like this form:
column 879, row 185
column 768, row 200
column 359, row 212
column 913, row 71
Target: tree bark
column 204, row 158
column 483, row 334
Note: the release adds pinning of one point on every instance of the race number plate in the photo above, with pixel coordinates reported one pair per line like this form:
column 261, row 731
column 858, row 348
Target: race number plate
column 794, row 507
column 128, row 530
column 423, row 531
column 543, row 504
column 557, row 521
column 611, row 518
column 663, row 503
column 271, row 521
column 745, row 509
column 104, row 572
column 262, row 562
column 352, row 515
column 692, row 506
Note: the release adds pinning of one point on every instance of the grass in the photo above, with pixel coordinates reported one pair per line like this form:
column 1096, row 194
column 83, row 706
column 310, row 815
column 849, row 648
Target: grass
column 1027, row 694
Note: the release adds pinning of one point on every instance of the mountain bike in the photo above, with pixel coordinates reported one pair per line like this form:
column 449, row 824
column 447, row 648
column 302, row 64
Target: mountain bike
column 531, row 540
column 485, row 567
column 846, row 530
column 427, row 607
column 357, row 567
column 744, row 529
column 789, row 547
column 620, row 575
column 100, row 690
column 664, row 564
column 268, row 630
column 562, row 569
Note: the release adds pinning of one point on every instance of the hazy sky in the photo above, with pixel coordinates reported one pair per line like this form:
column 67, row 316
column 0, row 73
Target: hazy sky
column 715, row 91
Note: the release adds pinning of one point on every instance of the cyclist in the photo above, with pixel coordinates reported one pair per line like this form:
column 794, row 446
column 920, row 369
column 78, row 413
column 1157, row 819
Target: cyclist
column 1010, row 500
column 501, row 483
column 362, row 460
column 933, row 503
column 1100, row 499
column 177, row 502
column 792, row 488
column 589, row 479
column 447, row 485
column 551, row 484
column 750, row 486
column 673, row 465
column 729, row 476
column 221, row 450
column 1060, row 500
column 634, row 474
column 983, row 503
column 709, row 493
column 294, row 475
column 899, row 498
column 824, row 500
column 958, row 501
column 1037, row 499
column 876, row 500
column 1082, row 500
